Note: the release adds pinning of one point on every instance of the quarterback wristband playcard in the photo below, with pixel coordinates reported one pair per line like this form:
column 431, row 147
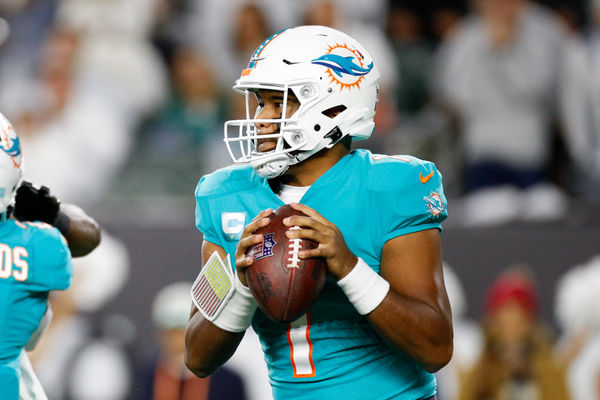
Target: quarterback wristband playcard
column 213, row 287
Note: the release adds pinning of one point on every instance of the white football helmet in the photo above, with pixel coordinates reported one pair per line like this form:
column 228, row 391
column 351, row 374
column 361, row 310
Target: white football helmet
column 325, row 69
column 11, row 163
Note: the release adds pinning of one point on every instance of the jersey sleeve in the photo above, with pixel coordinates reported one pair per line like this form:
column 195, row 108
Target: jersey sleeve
column 205, row 220
column 53, row 267
column 419, row 203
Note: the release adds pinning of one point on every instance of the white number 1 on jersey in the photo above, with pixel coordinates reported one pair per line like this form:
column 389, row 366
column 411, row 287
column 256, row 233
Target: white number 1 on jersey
column 298, row 335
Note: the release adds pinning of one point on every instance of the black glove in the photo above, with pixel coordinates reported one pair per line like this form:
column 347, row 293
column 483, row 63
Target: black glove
column 32, row 204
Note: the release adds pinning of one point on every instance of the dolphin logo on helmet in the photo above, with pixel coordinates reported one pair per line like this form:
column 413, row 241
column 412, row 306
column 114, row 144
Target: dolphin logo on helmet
column 14, row 150
column 11, row 163
column 342, row 65
column 10, row 144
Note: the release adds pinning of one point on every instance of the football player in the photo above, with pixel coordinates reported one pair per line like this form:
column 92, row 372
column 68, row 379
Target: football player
column 382, row 325
column 38, row 237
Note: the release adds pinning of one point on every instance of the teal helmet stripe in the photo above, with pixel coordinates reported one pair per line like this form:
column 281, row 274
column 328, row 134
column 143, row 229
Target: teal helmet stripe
column 261, row 47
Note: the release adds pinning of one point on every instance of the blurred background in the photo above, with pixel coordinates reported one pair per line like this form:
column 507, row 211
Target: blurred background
column 120, row 106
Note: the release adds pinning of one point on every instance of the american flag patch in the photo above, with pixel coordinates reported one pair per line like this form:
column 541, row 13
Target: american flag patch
column 213, row 287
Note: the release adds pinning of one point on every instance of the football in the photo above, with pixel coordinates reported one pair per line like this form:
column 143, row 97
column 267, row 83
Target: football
column 284, row 285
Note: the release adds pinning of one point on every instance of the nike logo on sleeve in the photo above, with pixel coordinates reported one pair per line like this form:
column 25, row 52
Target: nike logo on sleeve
column 425, row 179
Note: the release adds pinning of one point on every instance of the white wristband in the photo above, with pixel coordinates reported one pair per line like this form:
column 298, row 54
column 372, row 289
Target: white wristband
column 221, row 297
column 364, row 287
column 237, row 314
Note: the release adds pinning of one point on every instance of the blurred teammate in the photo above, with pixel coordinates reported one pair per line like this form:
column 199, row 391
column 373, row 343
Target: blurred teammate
column 36, row 259
column 382, row 324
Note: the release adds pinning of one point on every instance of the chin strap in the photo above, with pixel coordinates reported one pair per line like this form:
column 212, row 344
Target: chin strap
column 272, row 167
column 328, row 141
column 334, row 135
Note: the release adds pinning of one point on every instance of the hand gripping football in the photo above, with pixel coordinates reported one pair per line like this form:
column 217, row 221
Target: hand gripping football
column 284, row 285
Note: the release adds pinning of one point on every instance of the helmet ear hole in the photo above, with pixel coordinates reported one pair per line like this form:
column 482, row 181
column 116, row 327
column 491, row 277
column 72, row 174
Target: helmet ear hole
column 334, row 111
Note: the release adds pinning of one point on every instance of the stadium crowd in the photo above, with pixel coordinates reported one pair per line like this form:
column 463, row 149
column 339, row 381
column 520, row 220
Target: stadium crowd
column 501, row 95
column 126, row 99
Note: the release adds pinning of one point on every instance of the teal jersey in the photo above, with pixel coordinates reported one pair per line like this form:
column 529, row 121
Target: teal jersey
column 34, row 259
column 332, row 352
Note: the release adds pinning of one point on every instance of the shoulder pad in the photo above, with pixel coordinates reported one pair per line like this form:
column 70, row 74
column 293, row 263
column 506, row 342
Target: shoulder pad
column 225, row 180
column 399, row 171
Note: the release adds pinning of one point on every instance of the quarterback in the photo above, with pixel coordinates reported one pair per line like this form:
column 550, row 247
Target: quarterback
column 382, row 324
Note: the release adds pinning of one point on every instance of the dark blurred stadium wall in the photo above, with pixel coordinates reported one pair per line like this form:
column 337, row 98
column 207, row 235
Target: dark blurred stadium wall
column 162, row 255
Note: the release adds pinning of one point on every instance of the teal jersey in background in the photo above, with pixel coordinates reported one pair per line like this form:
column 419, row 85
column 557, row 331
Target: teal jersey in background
column 332, row 352
column 34, row 259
